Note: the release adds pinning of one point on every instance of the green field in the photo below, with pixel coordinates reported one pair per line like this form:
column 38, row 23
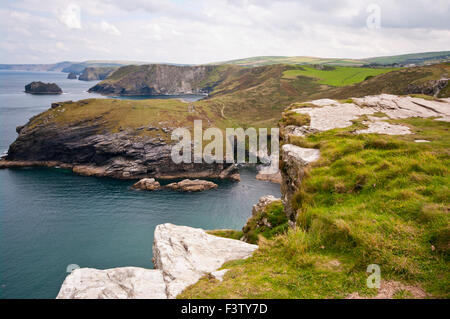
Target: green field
column 337, row 76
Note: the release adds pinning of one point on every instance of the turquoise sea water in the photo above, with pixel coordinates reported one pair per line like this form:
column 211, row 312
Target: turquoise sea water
column 50, row 218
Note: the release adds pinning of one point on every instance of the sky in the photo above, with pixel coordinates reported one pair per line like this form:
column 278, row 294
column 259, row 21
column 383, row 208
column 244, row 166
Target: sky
column 202, row 31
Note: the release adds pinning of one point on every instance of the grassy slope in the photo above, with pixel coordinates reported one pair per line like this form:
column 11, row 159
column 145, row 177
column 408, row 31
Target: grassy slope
column 113, row 115
column 339, row 76
column 369, row 199
column 270, row 60
column 395, row 82
column 411, row 58
column 242, row 97
column 435, row 57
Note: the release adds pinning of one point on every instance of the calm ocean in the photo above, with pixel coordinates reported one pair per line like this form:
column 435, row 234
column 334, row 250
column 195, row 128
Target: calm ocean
column 50, row 218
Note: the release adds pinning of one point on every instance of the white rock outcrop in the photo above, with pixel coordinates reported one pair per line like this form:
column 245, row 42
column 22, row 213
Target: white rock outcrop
column 295, row 159
column 115, row 283
column 182, row 255
column 185, row 254
column 330, row 114
column 306, row 155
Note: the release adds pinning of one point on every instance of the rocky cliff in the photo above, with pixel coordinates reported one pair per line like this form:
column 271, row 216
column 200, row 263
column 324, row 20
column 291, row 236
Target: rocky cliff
column 374, row 113
column 96, row 73
column 157, row 79
column 182, row 255
column 109, row 138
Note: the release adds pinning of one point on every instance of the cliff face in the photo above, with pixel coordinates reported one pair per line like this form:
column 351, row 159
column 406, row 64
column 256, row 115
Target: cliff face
column 327, row 114
column 156, row 79
column 96, row 73
column 109, row 138
column 118, row 155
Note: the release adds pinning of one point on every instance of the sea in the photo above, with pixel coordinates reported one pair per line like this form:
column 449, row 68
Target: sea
column 52, row 220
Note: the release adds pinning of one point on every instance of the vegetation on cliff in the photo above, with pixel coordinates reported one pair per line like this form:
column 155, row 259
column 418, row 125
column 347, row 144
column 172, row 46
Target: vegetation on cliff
column 370, row 199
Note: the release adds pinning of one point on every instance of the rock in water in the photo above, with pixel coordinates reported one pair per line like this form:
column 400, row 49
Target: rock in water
column 42, row 88
column 115, row 283
column 186, row 254
column 148, row 184
column 189, row 185
column 72, row 76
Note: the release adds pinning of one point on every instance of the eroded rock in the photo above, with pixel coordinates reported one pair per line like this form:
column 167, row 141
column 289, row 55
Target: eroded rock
column 115, row 283
column 188, row 185
column 294, row 160
column 186, row 254
column 148, row 184
column 182, row 255
column 330, row 114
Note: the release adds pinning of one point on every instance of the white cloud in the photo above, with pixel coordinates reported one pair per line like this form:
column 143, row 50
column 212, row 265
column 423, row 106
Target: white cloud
column 71, row 16
column 109, row 28
column 201, row 31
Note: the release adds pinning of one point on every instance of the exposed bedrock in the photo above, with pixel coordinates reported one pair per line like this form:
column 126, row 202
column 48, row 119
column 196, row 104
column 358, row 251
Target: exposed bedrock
column 186, row 254
column 294, row 161
column 119, row 155
column 182, row 255
column 327, row 114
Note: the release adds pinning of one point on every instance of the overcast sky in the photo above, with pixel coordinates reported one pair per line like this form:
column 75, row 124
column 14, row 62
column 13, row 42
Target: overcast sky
column 182, row 31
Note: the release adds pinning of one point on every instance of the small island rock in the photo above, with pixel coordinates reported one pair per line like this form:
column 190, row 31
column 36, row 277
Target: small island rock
column 72, row 76
column 148, row 184
column 39, row 87
column 189, row 185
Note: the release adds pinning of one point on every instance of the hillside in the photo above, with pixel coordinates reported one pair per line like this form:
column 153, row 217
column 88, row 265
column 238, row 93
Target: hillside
column 269, row 60
column 96, row 73
column 366, row 199
column 414, row 58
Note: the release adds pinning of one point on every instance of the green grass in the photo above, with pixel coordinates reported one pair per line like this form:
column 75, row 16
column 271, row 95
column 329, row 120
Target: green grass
column 369, row 199
column 270, row 60
column 418, row 58
column 337, row 76
column 226, row 233
column 113, row 115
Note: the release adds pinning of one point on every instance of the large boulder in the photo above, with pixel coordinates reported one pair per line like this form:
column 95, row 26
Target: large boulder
column 189, row 185
column 186, row 254
column 148, row 184
column 115, row 283
column 39, row 87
